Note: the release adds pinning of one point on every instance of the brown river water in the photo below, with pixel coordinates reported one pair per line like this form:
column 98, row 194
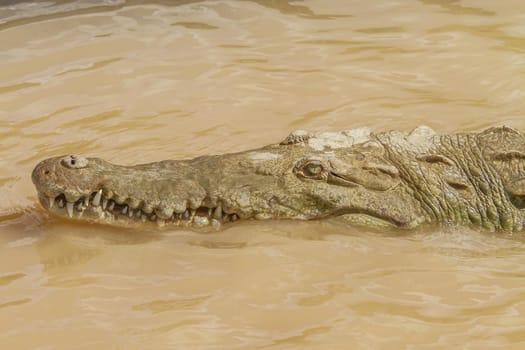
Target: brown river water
column 136, row 81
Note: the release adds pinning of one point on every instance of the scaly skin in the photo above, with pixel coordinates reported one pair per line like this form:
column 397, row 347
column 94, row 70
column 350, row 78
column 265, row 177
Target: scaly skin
column 390, row 179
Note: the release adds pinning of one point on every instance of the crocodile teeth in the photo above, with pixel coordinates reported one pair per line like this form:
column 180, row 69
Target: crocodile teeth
column 211, row 214
column 69, row 209
column 96, row 199
column 217, row 214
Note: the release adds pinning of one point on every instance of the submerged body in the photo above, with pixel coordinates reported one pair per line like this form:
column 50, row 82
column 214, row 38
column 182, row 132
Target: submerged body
column 389, row 179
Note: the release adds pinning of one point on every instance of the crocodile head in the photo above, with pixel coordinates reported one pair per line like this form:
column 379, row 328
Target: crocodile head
column 303, row 177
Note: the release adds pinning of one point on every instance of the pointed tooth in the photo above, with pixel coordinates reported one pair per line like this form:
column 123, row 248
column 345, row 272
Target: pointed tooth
column 143, row 218
column 125, row 210
column 138, row 213
column 153, row 217
column 210, row 211
column 69, row 209
column 186, row 215
column 111, row 205
column 217, row 213
column 192, row 215
column 235, row 217
column 79, row 206
column 50, row 201
column 104, row 204
column 130, row 213
column 96, row 199
column 86, row 202
column 61, row 203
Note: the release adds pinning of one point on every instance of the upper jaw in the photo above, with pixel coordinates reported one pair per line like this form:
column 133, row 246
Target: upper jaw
column 107, row 193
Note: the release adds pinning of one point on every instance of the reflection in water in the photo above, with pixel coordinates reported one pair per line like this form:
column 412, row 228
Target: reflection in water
column 490, row 32
column 456, row 8
column 26, row 12
column 134, row 82
column 62, row 253
column 6, row 279
column 167, row 305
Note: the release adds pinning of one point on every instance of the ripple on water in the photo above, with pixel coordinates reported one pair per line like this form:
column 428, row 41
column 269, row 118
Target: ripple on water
column 134, row 82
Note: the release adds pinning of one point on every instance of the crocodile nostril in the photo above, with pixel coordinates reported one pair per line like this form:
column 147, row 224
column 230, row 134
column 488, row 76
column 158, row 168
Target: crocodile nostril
column 46, row 172
column 74, row 162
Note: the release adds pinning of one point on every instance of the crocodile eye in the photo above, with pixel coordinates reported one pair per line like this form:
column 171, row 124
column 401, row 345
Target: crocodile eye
column 313, row 169
column 74, row 162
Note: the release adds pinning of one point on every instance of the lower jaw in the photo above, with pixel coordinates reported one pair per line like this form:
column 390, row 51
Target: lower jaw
column 132, row 218
column 121, row 214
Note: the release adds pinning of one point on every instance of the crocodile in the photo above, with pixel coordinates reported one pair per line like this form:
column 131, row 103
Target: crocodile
column 390, row 179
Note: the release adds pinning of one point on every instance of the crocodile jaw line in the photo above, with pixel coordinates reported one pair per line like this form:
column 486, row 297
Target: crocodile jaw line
column 98, row 207
column 108, row 193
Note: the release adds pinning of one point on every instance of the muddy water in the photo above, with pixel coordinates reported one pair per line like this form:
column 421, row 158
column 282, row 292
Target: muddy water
column 137, row 82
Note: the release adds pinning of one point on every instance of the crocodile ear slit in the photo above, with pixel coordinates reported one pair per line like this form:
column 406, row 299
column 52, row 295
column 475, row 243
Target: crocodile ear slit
column 383, row 168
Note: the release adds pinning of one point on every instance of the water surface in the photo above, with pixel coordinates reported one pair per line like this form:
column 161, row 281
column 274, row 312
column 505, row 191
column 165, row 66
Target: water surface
column 134, row 81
